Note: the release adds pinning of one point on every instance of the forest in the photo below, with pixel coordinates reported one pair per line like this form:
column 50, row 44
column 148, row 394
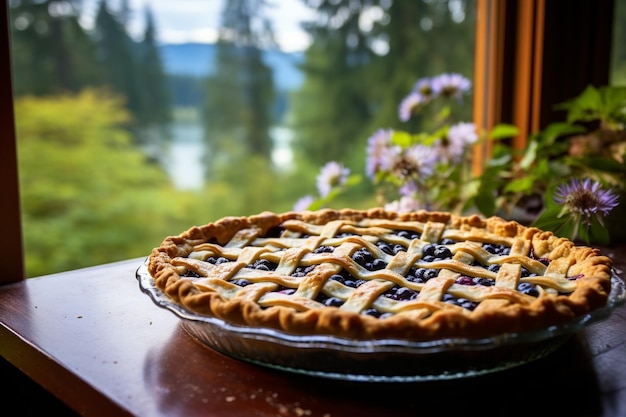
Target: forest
column 94, row 111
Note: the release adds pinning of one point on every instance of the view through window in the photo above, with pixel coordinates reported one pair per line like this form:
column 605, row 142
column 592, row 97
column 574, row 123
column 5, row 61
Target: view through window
column 138, row 119
column 618, row 61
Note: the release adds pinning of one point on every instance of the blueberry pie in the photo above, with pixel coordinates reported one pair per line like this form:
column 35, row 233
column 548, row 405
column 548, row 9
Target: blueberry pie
column 378, row 274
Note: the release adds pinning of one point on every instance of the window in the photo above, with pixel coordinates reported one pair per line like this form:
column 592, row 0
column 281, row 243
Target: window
column 53, row 242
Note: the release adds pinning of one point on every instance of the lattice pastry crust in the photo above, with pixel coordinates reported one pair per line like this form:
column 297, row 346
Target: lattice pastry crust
column 379, row 274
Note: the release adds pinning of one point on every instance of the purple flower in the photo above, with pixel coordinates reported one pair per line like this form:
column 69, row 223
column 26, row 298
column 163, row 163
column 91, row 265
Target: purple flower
column 452, row 147
column 332, row 175
column 450, row 85
column 463, row 134
column 409, row 104
column 304, row 203
column 414, row 164
column 421, row 157
column 424, row 88
column 585, row 198
column 404, row 205
column 377, row 151
column 409, row 188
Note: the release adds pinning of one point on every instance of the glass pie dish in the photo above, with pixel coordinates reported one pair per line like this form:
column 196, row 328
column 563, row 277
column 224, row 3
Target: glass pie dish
column 380, row 360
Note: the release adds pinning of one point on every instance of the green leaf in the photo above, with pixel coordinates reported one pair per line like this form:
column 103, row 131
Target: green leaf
column 606, row 104
column 353, row 180
column 485, row 201
column 586, row 107
column 598, row 163
column 316, row 205
column 443, row 114
column 497, row 164
column 530, row 155
column 615, row 99
column 551, row 220
column 401, row 138
column 503, row 131
column 554, row 131
column 598, row 234
column 426, row 139
column 521, row 185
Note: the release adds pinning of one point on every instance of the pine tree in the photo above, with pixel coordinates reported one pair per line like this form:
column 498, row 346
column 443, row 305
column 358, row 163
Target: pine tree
column 51, row 52
column 238, row 109
column 117, row 55
column 156, row 107
column 332, row 107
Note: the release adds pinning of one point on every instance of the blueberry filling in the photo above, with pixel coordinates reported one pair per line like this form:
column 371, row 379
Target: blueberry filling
column 401, row 293
column 389, row 248
column 264, row 265
column 333, row 302
column 324, row 249
column 528, row 288
column 424, row 274
column 461, row 302
column 362, row 257
column 485, row 282
column 497, row 249
column 432, row 252
column 276, row 231
column 408, row 234
column 241, row 282
column 302, row 271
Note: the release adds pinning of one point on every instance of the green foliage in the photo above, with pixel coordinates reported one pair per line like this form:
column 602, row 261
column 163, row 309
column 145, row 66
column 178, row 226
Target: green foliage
column 83, row 182
column 512, row 177
column 90, row 196
column 80, row 180
column 606, row 105
column 618, row 53
column 590, row 144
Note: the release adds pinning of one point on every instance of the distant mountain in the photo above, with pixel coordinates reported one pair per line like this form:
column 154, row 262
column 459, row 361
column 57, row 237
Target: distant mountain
column 198, row 60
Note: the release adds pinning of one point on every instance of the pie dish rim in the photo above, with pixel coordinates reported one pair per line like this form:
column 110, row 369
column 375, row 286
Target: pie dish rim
column 298, row 354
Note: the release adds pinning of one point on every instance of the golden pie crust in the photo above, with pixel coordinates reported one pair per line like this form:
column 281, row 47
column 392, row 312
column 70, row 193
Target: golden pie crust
column 308, row 250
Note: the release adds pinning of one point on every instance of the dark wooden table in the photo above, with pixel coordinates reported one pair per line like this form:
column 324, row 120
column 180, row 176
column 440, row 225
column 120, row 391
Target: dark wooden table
column 95, row 342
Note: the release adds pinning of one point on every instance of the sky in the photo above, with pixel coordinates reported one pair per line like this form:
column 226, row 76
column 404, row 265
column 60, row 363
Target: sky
column 183, row 21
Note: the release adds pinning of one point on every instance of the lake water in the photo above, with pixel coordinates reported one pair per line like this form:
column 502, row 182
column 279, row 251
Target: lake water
column 184, row 162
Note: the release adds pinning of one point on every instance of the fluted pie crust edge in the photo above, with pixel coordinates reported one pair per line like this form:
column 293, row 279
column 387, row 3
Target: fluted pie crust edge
column 582, row 274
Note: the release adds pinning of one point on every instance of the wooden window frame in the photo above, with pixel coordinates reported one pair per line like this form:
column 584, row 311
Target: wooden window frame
column 11, row 245
column 533, row 54
column 530, row 55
